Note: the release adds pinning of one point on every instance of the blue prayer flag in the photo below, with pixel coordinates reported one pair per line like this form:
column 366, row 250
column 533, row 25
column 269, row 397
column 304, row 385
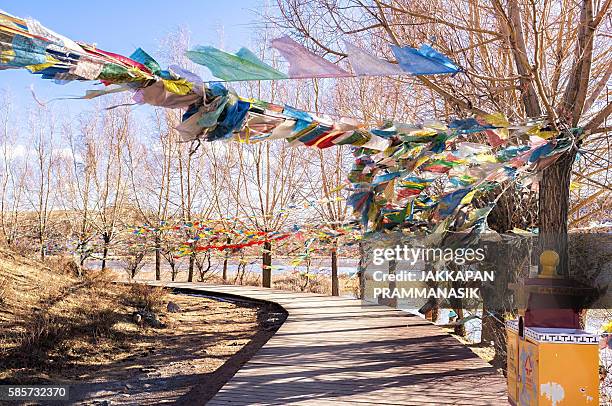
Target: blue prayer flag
column 423, row 61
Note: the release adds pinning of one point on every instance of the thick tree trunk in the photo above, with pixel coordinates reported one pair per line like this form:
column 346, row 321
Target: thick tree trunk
column 157, row 258
column 432, row 305
column 501, row 349
column 334, row 272
column 266, row 280
column 554, row 209
column 80, row 265
column 519, row 50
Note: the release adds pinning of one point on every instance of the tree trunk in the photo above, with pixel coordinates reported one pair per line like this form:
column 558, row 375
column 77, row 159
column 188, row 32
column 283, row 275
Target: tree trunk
column 42, row 250
column 489, row 325
column 191, row 265
column 392, row 285
column 157, row 258
column 225, row 260
column 334, row 272
column 80, row 265
column 225, row 269
column 105, row 251
column 266, row 280
column 460, row 328
column 554, row 209
column 501, row 349
column 519, row 50
column 361, row 270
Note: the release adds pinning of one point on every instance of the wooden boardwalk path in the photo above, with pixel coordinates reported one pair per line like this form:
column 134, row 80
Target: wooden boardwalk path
column 339, row 351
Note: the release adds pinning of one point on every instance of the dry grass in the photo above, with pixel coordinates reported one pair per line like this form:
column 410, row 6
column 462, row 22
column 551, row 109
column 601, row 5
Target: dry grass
column 51, row 320
column 54, row 325
column 58, row 327
column 42, row 332
column 63, row 264
column 5, row 290
column 296, row 282
column 315, row 283
column 248, row 278
column 303, row 282
column 201, row 346
column 145, row 297
column 66, row 322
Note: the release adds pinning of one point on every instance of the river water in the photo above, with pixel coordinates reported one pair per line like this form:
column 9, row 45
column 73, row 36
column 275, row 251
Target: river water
column 346, row 266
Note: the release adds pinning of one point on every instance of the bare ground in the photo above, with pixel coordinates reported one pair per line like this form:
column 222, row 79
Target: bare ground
column 186, row 363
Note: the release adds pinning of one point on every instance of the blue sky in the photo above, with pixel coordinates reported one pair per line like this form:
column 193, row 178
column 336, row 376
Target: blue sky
column 123, row 26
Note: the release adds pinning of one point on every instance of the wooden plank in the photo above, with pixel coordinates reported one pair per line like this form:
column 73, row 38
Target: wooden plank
column 344, row 351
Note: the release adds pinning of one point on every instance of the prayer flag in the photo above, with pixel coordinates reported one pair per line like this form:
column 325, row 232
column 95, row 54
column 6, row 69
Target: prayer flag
column 244, row 65
column 305, row 64
column 423, row 61
column 365, row 64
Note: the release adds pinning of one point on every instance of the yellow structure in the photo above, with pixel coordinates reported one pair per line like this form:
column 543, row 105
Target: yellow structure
column 550, row 366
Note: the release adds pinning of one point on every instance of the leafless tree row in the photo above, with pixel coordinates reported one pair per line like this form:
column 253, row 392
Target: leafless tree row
column 77, row 186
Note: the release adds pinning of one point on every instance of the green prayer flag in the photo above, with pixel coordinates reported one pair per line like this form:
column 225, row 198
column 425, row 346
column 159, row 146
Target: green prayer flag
column 244, row 65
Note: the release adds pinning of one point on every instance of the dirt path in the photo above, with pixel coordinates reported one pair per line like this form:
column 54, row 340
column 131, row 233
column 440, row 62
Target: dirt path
column 187, row 362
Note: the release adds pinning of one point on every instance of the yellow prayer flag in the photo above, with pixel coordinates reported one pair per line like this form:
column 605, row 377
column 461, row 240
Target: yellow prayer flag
column 38, row 67
column 546, row 134
column 7, row 55
column 485, row 158
column 468, row 198
column 516, row 230
column 423, row 133
column 421, row 161
column 180, row 87
column 497, row 119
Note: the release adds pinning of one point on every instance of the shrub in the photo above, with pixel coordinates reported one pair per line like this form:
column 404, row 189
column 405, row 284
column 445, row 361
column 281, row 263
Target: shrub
column 101, row 282
column 101, row 322
column 349, row 285
column 63, row 263
column 150, row 298
column 312, row 282
column 134, row 263
column 42, row 332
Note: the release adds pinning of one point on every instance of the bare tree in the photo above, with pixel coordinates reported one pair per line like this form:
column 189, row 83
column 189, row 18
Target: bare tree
column 41, row 187
column 221, row 183
column 527, row 60
column 150, row 167
column 271, row 176
column 109, row 178
column 13, row 177
column 78, row 172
